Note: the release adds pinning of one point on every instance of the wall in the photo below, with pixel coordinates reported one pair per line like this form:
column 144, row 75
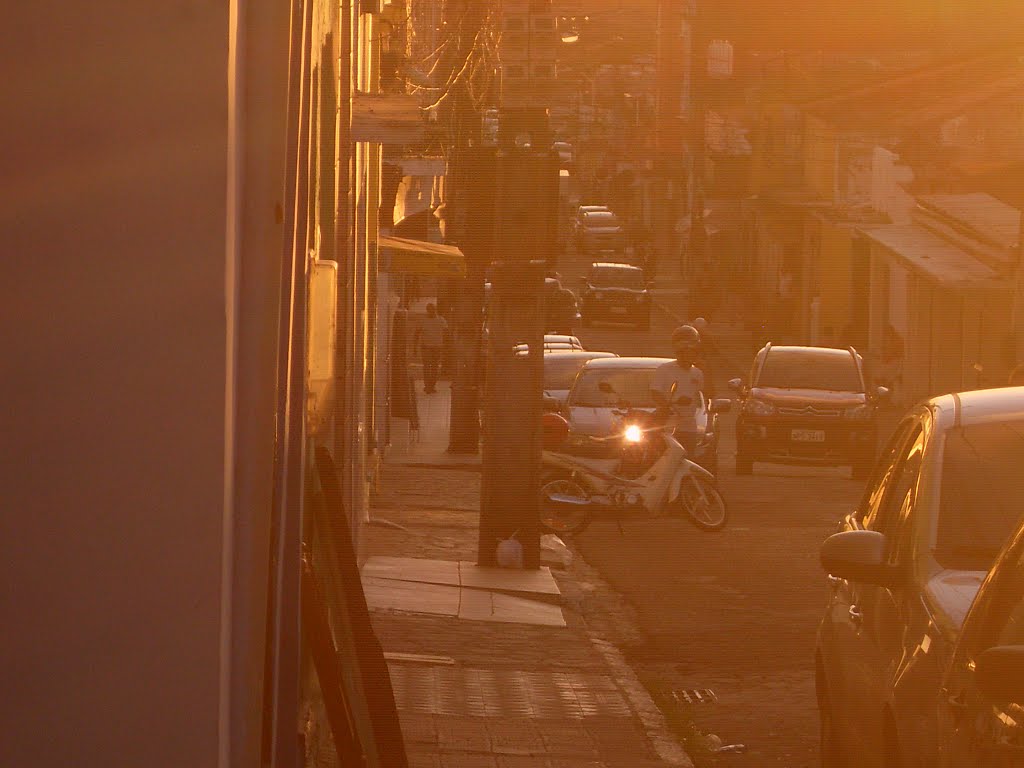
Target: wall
column 114, row 168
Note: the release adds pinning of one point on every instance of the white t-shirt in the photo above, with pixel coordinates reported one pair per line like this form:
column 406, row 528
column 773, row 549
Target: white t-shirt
column 688, row 381
column 432, row 331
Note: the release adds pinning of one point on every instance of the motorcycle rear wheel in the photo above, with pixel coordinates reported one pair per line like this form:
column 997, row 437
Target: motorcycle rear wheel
column 560, row 520
column 700, row 501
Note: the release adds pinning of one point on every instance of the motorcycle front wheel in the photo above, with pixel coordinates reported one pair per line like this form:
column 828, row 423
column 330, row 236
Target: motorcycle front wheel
column 560, row 519
column 701, row 502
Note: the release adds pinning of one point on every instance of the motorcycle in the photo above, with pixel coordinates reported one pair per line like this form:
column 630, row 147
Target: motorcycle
column 642, row 471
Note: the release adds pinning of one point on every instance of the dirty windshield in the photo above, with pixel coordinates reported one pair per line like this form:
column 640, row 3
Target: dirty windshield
column 617, row 277
column 787, row 369
column 629, row 386
column 982, row 494
column 560, row 371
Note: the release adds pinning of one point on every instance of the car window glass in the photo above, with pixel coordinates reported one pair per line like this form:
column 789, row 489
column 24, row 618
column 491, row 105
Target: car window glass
column 632, row 386
column 616, row 277
column 899, row 502
column 792, row 369
column 997, row 617
column 981, row 495
column 559, row 372
column 886, row 466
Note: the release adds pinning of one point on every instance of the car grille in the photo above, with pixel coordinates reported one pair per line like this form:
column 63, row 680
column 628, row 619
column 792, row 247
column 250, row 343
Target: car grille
column 810, row 410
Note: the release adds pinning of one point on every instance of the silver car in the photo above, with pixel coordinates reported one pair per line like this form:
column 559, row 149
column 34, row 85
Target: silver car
column 600, row 231
column 942, row 501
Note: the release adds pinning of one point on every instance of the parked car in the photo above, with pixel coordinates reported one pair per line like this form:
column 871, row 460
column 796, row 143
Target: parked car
column 600, row 231
column 807, row 405
column 579, row 212
column 982, row 698
column 590, row 408
column 616, row 292
column 565, row 154
column 561, row 367
column 942, row 501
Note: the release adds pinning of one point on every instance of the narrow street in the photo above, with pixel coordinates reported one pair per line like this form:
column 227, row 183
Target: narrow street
column 735, row 612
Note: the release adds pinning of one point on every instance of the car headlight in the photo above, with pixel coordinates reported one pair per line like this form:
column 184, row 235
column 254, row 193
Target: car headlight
column 754, row 407
column 634, row 434
column 858, row 413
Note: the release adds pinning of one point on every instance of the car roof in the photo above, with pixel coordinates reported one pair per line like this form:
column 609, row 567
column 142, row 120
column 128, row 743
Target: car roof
column 612, row 363
column 615, row 265
column 586, row 354
column 978, row 406
column 560, row 337
column 820, row 351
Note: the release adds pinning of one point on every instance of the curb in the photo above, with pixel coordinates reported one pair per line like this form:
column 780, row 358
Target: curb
column 668, row 748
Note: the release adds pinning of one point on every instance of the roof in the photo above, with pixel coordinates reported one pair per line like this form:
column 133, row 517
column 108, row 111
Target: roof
column 930, row 254
column 992, row 219
column 579, row 354
column 931, row 94
column 820, row 351
column 614, row 265
column 979, row 406
column 627, row 362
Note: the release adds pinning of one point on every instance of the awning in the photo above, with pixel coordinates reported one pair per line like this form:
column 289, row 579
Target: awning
column 418, row 257
column 927, row 253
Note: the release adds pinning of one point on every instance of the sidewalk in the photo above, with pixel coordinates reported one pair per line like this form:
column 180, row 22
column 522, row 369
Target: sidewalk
column 499, row 668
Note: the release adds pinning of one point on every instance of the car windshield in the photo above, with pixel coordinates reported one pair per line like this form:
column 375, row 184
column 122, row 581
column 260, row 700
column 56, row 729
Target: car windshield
column 560, row 371
column 982, row 493
column 787, row 369
column 616, row 277
column 630, row 386
column 600, row 219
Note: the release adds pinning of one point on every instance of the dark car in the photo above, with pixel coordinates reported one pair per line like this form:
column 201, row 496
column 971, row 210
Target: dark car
column 616, row 292
column 904, row 569
column 981, row 704
column 807, row 405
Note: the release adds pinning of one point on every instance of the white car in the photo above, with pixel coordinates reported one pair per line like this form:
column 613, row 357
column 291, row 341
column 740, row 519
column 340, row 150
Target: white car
column 561, row 368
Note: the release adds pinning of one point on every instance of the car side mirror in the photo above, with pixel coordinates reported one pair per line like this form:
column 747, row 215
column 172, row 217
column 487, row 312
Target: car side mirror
column 881, row 392
column 720, row 405
column 858, row 556
column 551, row 404
column 736, row 385
column 999, row 673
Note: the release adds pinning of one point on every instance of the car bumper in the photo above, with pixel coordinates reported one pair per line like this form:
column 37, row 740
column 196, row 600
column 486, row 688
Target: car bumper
column 811, row 442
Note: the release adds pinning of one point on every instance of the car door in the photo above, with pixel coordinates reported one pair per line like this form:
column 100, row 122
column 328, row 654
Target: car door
column 975, row 731
column 839, row 629
column 874, row 624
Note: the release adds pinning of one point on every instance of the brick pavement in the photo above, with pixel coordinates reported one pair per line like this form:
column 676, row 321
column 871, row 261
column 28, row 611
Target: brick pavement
column 512, row 695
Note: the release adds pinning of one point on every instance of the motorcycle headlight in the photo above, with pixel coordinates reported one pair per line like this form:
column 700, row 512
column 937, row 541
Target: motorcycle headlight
column 755, row 407
column 858, row 413
column 634, row 434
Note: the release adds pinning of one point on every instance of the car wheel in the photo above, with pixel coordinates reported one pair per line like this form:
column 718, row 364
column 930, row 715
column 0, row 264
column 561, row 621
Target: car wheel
column 744, row 463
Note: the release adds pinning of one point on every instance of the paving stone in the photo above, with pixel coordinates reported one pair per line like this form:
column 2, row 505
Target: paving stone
column 423, row 759
column 462, row 760
column 522, row 761
column 464, row 734
column 418, row 728
column 515, row 737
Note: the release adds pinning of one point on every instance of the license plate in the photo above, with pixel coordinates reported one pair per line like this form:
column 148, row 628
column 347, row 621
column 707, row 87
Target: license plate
column 807, row 435
column 618, row 310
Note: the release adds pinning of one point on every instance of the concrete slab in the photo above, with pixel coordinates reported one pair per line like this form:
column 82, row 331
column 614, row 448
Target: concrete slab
column 539, row 581
column 411, row 596
column 413, row 569
column 479, row 605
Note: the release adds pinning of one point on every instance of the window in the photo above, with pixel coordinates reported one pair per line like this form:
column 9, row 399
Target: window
column 799, row 369
column 632, row 386
column 885, row 469
column 559, row 373
column 616, row 277
column 981, row 495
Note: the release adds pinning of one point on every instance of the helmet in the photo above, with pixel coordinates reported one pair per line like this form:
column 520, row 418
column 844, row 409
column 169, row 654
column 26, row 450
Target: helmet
column 686, row 336
column 701, row 325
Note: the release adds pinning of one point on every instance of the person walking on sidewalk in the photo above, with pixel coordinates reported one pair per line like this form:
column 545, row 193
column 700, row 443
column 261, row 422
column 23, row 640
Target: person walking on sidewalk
column 430, row 341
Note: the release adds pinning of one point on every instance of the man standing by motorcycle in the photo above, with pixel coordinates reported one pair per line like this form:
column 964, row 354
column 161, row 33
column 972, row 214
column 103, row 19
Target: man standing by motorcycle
column 688, row 381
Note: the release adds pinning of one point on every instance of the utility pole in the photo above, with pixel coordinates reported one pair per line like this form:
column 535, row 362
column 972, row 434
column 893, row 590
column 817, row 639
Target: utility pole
column 525, row 241
column 468, row 223
column 697, row 112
